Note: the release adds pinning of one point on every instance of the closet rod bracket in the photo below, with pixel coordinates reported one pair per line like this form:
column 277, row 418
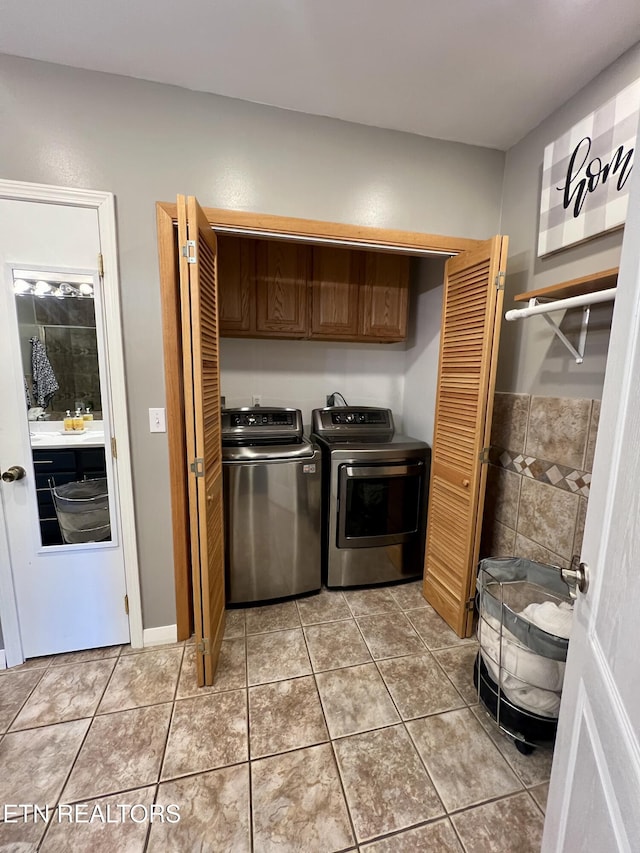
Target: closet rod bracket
column 578, row 353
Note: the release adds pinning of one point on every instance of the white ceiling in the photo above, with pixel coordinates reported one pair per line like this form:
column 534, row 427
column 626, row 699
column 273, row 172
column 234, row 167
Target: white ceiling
column 478, row 71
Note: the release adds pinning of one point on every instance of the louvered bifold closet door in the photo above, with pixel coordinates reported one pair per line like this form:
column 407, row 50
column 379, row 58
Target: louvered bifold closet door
column 471, row 317
column 199, row 300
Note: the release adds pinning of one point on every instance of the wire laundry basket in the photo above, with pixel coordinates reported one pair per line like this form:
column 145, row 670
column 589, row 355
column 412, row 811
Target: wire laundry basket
column 82, row 510
column 520, row 666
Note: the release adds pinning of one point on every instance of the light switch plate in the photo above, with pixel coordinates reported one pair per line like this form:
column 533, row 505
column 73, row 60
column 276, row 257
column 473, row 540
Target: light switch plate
column 157, row 421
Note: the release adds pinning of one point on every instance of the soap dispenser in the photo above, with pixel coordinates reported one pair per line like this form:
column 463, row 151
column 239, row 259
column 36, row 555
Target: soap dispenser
column 88, row 414
column 78, row 422
column 68, row 422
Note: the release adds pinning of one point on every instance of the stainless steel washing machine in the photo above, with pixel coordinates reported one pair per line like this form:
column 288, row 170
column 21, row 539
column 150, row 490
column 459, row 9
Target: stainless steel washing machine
column 272, row 501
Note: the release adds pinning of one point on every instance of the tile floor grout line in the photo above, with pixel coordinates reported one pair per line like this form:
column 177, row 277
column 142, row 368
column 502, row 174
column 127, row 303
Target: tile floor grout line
column 489, row 801
column 457, row 835
column 58, row 722
column 537, row 804
column 395, row 833
column 462, row 645
column 333, row 741
column 248, row 762
column 19, row 711
column 171, row 716
column 426, row 769
column 250, row 771
column 345, row 799
column 150, row 826
column 333, row 751
column 506, row 757
column 188, row 775
column 86, row 734
column 422, row 760
column 53, row 724
column 93, row 718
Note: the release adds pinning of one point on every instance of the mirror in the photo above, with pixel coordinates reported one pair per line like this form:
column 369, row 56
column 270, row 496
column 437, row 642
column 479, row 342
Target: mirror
column 63, row 404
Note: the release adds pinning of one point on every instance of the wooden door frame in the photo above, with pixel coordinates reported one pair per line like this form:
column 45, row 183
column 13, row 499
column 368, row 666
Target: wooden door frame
column 253, row 225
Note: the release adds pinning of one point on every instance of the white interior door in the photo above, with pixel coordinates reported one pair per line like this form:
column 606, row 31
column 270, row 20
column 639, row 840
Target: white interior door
column 594, row 797
column 67, row 596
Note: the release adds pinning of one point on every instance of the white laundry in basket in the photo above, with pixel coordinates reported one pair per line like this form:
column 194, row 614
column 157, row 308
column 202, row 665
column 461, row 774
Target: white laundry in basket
column 551, row 617
column 529, row 680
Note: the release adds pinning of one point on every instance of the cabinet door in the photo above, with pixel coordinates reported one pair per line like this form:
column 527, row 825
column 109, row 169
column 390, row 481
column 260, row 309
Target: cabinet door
column 281, row 289
column 384, row 297
column 335, row 284
column 236, row 285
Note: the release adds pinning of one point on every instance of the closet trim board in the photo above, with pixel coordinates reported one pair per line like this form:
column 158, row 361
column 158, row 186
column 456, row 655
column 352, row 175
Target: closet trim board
column 383, row 239
column 176, row 432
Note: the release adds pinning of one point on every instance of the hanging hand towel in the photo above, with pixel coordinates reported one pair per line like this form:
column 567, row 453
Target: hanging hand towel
column 45, row 383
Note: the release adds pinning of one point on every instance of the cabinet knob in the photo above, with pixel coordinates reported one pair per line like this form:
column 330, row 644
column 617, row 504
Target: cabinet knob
column 465, row 483
column 16, row 472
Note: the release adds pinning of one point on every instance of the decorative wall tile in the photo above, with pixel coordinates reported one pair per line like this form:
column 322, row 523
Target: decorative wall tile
column 503, row 493
column 509, row 423
column 593, row 434
column 568, row 479
column 582, row 514
column 544, row 519
column 548, row 516
column 531, row 550
column 558, row 428
column 498, row 540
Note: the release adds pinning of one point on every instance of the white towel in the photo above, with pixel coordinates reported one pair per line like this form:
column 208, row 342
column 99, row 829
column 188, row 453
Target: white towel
column 526, row 667
column 553, row 618
column 530, row 681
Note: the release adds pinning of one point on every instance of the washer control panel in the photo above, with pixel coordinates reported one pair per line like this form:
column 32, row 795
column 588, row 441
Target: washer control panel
column 334, row 422
column 378, row 416
column 255, row 418
column 261, row 425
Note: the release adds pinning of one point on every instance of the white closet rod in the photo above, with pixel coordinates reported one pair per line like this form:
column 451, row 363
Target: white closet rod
column 561, row 304
column 331, row 241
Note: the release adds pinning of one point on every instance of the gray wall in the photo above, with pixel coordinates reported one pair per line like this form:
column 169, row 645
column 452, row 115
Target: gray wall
column 146, row 142
column 423, row 349
column 531, row 360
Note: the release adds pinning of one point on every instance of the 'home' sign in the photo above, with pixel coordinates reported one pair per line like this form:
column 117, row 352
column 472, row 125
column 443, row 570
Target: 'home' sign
column 585, row 176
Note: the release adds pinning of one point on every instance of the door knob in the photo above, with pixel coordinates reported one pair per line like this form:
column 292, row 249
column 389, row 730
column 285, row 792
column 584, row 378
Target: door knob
column 14, row 473
column 576, row 578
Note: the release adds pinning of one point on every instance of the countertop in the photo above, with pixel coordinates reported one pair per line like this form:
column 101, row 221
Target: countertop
column 50, row 435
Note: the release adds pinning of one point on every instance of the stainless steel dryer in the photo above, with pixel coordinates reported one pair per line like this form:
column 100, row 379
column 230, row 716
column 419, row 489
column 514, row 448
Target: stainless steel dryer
column 375, row 487
column 272, row 500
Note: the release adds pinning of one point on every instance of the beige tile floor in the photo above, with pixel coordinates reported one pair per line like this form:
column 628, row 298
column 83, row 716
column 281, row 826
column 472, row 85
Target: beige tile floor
column 343, row 721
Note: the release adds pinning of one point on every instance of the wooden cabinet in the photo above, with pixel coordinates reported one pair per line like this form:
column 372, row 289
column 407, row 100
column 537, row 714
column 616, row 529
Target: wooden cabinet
column 384, row 296
column 279, row 289
column 335, row 287
column 236, row 285
column 282, row 271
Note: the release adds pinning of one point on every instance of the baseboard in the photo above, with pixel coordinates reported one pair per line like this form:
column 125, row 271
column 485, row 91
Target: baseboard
column 158, row 636
column 3, row 659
